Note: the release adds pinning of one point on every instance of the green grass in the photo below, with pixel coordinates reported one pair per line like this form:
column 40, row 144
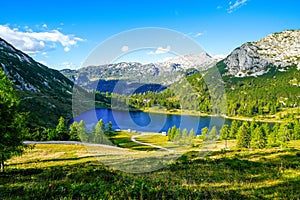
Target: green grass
column 156, row 139
column 68, row 172
column 122, row 139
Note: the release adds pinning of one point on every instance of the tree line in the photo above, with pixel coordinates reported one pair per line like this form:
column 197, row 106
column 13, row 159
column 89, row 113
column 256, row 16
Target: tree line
column 76, row 132
column 256, row 135
column 181, row 137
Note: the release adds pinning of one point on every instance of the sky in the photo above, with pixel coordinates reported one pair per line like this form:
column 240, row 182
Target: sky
column 61, row 34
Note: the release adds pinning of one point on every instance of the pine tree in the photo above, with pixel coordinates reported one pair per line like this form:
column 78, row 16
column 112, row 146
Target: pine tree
column 258, row 138
column 110, row 129
column 184, row 137
column 51, row 134
column 272, row 137
column 92, row 133
column 233, row 129
column 74, row 132
column 191, row 136
column 284, row 134
column 82, row 131
column 266, row 129
column 99, row 133
column 224, row 134
column 169, row 134
column 172, row 133
column 243, row 136
column 61, row 130
column 204, row 132
column 253, row 125
column 212, row 135
column 13, row 127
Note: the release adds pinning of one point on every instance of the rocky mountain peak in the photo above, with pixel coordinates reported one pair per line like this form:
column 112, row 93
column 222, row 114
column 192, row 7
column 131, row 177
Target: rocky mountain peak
column 254, row 58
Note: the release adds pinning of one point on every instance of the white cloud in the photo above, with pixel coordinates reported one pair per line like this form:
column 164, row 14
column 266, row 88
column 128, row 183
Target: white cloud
column 124, row 48
column 67, row 49
column 198, row 34
column 236, row 5
column 35, row 42
column 45, row 26
column 160, row 50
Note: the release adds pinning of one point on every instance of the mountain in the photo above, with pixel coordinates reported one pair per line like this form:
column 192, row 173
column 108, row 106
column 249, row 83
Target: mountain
column 151, row 77
column 45, row 92
column 279, row 50
column 260, row 79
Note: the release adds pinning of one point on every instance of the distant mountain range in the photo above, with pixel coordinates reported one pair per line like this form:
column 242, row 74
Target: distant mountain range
column 147, row 77
column 278, row 50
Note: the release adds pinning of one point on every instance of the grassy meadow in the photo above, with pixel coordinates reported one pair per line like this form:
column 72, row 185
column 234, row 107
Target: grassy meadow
column 57, row 171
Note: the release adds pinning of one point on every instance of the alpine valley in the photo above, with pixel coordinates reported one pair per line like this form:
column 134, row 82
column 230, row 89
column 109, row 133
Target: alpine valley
column 261, row 79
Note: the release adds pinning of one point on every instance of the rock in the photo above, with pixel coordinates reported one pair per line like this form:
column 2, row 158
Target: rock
column 254, row 58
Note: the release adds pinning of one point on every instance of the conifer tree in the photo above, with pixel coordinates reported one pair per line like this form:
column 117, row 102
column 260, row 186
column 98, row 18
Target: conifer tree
column 204, row 132
column 99, row 133
column 191, row 136
column 82, row 131
column 13, row 127
column 74, row 132
column 243, row 136
column 233, row 129
column 258, row 138
column 213, row 133
column 61, row 130
column 224, row 134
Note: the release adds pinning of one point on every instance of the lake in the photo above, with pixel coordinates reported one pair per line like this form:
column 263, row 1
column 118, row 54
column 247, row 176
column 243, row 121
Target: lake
column 148, row 122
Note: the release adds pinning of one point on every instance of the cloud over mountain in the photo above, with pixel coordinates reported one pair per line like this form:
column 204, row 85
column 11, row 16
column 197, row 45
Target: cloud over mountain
column 34, row 42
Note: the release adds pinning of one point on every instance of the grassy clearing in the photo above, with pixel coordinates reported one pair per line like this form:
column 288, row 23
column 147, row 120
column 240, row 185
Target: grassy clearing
column 156, row 139
column 122, row 139
column 68, row 172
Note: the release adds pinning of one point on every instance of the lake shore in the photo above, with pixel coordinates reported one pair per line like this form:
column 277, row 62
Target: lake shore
column 156, row 110
column 199, row 114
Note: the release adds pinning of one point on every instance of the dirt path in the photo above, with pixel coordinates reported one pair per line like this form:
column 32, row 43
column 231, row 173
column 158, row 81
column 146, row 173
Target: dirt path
column 148, row 144
column 73, row 142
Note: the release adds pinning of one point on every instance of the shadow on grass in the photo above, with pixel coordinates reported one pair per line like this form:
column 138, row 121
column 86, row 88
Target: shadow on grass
column 229, row 175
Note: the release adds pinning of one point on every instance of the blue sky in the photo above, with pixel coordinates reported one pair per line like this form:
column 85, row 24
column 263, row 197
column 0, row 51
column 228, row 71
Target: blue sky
column 63, row 33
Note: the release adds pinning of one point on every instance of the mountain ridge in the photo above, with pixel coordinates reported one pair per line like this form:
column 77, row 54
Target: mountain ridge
column 45, row 93
column 280, row 50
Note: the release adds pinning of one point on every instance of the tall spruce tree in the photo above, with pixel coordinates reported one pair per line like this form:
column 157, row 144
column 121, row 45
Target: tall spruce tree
column 233, row 129
column 204, row 133
column 212, row 135
column 99, row 132
column 61, row 130
column 258, row 138
column 13, row 128
column 82, row 131
column 74, row 132
column 243, row 136
column 224, row 134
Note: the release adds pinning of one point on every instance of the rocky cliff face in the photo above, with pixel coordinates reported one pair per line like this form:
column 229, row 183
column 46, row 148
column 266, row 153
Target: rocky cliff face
column 279, row 50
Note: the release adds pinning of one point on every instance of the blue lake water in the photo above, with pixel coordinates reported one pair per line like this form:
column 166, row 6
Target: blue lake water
column 149, row 122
